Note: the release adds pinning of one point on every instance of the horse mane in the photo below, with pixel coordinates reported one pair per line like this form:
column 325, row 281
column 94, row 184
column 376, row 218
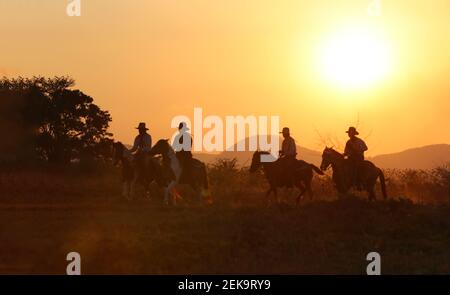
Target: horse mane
column 164, row 144
column 125, row 151
column 161, row 141
column 334, row 152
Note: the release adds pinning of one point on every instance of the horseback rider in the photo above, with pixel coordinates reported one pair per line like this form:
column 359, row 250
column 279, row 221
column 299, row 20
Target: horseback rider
column 141, row 147
column 182, row 145
column 354, row 151
column 288, row 153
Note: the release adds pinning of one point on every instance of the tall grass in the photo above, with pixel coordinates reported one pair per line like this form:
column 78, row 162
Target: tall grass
column 230, row 184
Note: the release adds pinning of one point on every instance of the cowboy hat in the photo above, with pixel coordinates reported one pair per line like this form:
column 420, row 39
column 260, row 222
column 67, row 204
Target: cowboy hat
column 183, row 126
column 285, row 130
column 352, row 130
column 142, row 126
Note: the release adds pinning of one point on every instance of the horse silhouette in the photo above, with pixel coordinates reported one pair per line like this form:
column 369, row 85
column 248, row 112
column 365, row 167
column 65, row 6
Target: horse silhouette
column 343, row 178
column 131, row 174
column 277, row 175
column 197, row 178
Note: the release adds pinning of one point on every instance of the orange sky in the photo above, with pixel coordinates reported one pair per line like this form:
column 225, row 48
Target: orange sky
column 149, row 61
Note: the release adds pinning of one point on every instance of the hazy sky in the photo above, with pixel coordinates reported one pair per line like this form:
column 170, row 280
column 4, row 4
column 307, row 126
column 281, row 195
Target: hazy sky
column 149, row 61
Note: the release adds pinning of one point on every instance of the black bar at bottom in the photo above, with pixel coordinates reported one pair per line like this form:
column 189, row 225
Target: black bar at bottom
column 224, row 284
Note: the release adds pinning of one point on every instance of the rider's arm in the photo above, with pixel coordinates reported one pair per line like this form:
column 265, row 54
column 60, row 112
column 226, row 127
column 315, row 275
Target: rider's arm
column 347, row 150
column 282, row 150
column 364, row 146
column 135, row 145
column 293, row 148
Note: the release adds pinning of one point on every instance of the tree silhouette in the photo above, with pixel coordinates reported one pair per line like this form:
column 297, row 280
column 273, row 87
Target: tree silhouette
column 56, row 121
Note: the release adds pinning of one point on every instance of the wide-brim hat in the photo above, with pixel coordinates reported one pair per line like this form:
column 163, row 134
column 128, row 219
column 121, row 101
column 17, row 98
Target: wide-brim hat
column 183, row 126
column 285, row 130
column 352, row 130
column 142, row 126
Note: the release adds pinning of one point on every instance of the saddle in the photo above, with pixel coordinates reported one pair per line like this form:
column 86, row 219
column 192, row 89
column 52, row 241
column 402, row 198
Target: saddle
column 356, row 167
column 290, row 168
column 188, row 166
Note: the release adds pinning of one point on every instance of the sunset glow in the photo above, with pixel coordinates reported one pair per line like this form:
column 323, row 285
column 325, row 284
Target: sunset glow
column 319, row 65
column 225, row 143
column 355, row 58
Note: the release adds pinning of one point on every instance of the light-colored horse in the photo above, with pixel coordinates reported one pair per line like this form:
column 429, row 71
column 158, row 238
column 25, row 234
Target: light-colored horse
column 170, row 192
column 172, row 172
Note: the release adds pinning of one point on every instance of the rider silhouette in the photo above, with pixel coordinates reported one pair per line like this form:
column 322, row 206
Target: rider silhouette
column 354, row 151
column 142, row 145
column 288, row 154
column 182, row 144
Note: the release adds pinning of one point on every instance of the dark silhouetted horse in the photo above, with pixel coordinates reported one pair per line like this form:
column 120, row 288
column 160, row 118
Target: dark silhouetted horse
column 132, row 175
column 278, row 177
column 343, row 178
column 197, row 178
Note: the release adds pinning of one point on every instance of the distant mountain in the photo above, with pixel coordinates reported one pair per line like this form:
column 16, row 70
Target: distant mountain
column 426, row 157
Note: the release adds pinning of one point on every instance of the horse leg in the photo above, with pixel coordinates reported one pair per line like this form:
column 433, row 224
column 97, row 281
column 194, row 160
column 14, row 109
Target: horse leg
column 308, row 182
column 124, row 189
column 147, row 188
column 199, row 192
column 197, row 187
column 302, row 191
column 371, row 192
column 310, row 191
column 285, row 193
column 133, row 184
column 290, row 191
column 275, row 193
column 166, row 196
column 176, row 195
column 172, row 193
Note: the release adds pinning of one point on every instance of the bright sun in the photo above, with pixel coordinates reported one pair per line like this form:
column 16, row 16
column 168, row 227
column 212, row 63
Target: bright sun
column 355, row 58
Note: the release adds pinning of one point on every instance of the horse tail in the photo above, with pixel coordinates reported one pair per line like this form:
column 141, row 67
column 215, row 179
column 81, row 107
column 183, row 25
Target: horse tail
column 383, row 183
column 316, row 169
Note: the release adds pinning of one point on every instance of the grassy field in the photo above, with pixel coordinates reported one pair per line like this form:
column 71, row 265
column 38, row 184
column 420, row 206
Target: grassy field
column 45, row 216
column 141, row 238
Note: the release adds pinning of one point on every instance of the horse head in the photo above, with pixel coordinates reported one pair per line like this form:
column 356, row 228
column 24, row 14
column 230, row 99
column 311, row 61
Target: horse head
column 256, row 160
column 329, row 157
column 160, row 148
column 118, row 149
